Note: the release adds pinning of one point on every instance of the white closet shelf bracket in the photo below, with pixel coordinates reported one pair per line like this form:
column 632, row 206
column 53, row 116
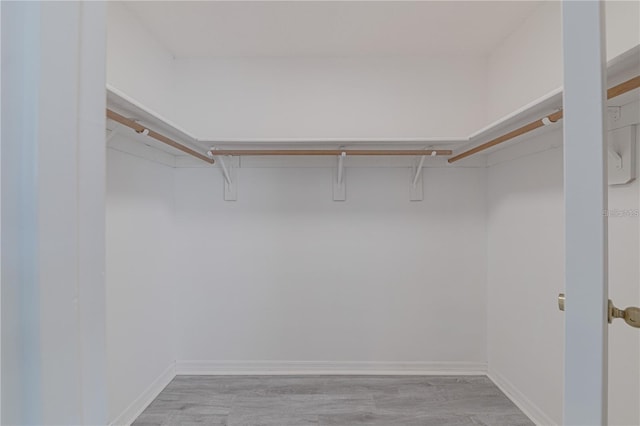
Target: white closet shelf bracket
column 341, row 166
column 416, row 192
column 418, row 171
column 229, row 174
column 223, row 166
column 339, row 186
column 621, row 153
column 615, row 157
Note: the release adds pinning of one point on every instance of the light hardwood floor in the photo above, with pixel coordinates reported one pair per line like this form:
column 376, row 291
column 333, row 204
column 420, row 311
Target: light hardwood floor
column 332, row 400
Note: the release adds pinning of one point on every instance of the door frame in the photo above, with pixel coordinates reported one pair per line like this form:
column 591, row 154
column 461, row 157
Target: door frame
column 585, row 189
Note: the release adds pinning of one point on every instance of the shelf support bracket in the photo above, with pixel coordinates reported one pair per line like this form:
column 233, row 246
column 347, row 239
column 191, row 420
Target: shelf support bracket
column 615, row 157
column 229, row 174
column 621, row 152
column 339, row 186
column 416, row 192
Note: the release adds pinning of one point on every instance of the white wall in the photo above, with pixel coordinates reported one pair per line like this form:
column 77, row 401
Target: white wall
column 381, row 266
column 355, row 97
column 624, row 290
column 526, row 273
column 140, row 276
column 287, row 274
column 349, row 97
column 137, row 64
column 297, row 97
column 528, row 63
column 623, row 26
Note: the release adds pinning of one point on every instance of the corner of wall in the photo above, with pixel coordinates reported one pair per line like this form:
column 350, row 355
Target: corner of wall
column 136, row 407
column 538, row 416
column 140, row 209
column 137, row 63
column 527, row 64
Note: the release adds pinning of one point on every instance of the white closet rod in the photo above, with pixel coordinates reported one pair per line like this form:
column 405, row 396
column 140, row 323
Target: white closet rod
column 261, row 152
column 618, row 90
column 157, row 136
column 332, row 152
column 613, row 92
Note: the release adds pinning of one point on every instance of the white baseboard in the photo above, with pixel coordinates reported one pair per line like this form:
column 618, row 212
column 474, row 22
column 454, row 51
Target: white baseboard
column 328, row 367
column 137, row 407
column 530, row 409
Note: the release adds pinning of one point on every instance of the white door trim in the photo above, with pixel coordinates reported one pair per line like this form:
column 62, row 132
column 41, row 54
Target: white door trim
column 585, row 186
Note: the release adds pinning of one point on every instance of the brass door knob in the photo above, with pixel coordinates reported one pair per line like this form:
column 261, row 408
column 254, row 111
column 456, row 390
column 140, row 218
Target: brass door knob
column 630, row 315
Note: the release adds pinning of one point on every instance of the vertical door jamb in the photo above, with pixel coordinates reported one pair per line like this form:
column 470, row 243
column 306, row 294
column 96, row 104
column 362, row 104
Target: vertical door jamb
column 585, row 188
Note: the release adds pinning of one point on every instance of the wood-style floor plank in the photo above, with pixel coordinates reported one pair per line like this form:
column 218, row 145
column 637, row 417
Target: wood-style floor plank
column 331, row 401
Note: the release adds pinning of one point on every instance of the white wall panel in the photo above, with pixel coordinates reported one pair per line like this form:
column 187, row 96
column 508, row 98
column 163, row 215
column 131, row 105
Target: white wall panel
column 528, row 64
column 287, row 274
column 525, row 275
column 141, row 277
column 351, row 97
column 137, row 64
column 526, row 272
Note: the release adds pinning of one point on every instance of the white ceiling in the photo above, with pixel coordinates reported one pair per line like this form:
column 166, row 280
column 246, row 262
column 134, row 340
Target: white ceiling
column 336, row 28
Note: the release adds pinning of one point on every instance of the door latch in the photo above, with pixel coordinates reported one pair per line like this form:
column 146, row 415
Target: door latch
column 630, row 315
